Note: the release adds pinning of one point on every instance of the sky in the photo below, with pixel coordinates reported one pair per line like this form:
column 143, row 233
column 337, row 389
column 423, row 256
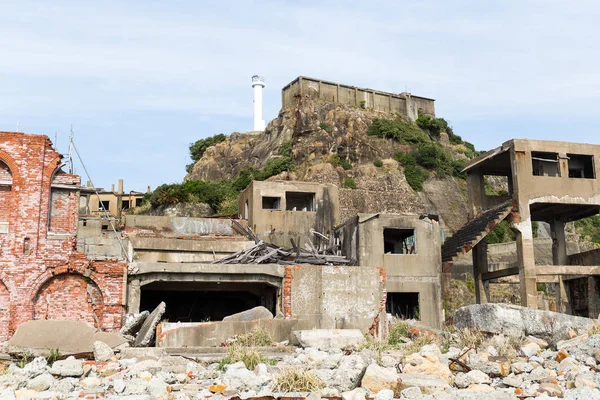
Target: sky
column 139, row 81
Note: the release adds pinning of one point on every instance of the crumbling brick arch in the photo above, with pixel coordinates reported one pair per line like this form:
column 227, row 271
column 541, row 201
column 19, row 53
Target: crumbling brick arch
column 5, row 158
column 70, row 296
column 5, row 313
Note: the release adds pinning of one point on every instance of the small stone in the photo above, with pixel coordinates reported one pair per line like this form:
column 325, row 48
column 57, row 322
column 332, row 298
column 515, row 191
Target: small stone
column 480, row 388
column 356, row 394
column 530, row 349
column 145, row 375
column 377, row 378
column 103, row 352
column 385, row 394
column 550, row 364
column 217, row 388
column 411, row 393
column 478, row 377
column 521, row 367
column 585, row 381
column 513, row 380
column 551, row 389
column 41, row 382
column 461, row 380
column 119, row 385
column 561, row 355
column 68, row 367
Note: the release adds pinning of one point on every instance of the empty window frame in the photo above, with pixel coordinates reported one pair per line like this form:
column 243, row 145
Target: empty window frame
column 403, row 305
column 545, row 164
column 125, row 204
column 399, row 241
column 271, row 203
column 104, row 205
column 299, row 201
column 138, row 202
column 581, row 166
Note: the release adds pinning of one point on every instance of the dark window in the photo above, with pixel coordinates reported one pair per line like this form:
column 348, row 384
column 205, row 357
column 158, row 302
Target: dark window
column 299, row 201
column 138, row 202
column 105, row 205
column 545, row 164
column 271, row 203
column 399, row 241
column 403, row 305
column 581, row 166
column 125, row 204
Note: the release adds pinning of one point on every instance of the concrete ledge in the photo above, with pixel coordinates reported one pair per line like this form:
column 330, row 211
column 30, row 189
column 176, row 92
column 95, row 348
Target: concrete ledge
column 205, row 334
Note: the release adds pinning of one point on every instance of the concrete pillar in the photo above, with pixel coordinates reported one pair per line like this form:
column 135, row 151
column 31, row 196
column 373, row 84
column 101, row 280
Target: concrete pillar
column 134, row 294
column 559, row 243
column 476, row 193
column 480, row 266
column 563, row 304
column 521, row 224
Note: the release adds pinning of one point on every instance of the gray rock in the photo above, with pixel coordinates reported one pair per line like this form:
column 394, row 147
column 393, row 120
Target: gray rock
column 8, row 394
column 147, row 332
column 521, row 367
column 519, row 321
column 68, row 367
column 65, row 385
column 530, row 349
column 513, row 380
column 478, row 377
column 582, row 394
column 157, row 388
column 427, row 383
column 385, row 394
column 329, row 338
column 255, row 313
column 348, row 374
column 136, row 387
column 38, row 366
column 41, row 382
column 461, row 380
column 411, row 393
column 103, row 352
column 133, row 323
column 356, row 394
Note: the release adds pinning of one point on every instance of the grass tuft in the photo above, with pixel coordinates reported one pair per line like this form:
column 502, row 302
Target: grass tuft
column 250, row 356
column 296, row 380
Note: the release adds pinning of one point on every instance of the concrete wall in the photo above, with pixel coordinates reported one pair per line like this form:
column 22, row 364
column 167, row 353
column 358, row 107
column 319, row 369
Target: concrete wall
column 591, row 257
column 335, row 297
column 406, row 273
column 182, row 227
column 170, row 250
column 278, row 226
column 402, row 103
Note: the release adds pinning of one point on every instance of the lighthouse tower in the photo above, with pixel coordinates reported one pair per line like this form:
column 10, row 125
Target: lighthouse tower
column 258, row 83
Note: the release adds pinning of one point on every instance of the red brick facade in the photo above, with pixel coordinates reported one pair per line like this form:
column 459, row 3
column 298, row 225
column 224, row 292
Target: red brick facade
column 42, row 276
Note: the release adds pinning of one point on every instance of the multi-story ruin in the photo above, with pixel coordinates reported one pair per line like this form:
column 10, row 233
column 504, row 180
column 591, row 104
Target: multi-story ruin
column 554, row 182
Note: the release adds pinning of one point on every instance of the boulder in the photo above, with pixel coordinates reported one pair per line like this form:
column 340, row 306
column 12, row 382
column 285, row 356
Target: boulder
column 147, row 332
column 68, row 367
column 519, row 321
column 427, row 383
column 427, row 363
column 133, row 323
column 329, row 338
column 41, row 382
column 377, row 378
column 252, row 314
column 348, row 374
column 102, row 351
column 40, row 336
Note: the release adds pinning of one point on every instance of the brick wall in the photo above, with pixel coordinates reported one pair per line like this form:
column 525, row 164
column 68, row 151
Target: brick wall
column 42, row 276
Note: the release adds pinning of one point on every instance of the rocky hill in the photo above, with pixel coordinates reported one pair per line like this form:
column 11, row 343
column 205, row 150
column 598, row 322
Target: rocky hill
column 363, row 151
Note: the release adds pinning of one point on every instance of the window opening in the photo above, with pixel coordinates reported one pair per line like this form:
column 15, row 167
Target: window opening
column 271, row 203
column 125, row 204
column 545, row 164
column 399, row 241
column 105, row 205
column 403, row 305
column 299, row 201
column 581, row 166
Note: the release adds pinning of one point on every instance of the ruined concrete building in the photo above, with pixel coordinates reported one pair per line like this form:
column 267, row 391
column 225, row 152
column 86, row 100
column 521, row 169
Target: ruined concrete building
column 404, row 103
column 554, row 182
column 42, row 275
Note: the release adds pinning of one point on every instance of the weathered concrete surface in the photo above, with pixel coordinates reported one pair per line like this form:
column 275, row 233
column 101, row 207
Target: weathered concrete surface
column 215, row 333
column 148, row 329
column 40, row 336
column 519, row 321
column 259, row 312
column 133, row 323
column 182, row 226
column 327, row 297
column 329, row 338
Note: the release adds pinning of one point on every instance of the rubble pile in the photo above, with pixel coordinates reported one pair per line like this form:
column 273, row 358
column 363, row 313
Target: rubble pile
column 569, row 371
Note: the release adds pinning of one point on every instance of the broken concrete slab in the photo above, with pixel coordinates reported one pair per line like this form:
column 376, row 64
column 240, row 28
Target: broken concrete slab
column 200, row 334
column 329, row 338
column 519, row 321
column 133, row 323
column 252, row 314
column 70, row 337
column 147, row 332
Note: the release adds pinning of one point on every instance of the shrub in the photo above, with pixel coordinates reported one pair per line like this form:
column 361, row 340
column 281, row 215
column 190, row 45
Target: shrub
column 349, row 183
column 472, row 338
column 363, row 104
column 434, row 126
column 258, row 336
column 198, row 148
column 345, row 164
column 325, row 127
column 399, row 130
column 168, row 195
column 378, row 163
column 250, row 356
column 397, row 331
column 295, row 379
column 415, row 176
column 415, row 345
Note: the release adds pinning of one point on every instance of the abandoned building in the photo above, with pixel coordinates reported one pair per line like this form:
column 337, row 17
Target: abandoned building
column 282, row 210
column 554, row 182
column 408, row 249
column 112, row 201
column 42, row 275
column 404, row 103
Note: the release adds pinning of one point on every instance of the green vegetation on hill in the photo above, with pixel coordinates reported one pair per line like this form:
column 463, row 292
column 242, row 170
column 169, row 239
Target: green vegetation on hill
column 589, row 228
column 198, row 148
column 427, row 154
column 503, row 234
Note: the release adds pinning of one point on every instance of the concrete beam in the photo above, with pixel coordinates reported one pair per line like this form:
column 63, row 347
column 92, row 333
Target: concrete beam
column 141, row 268
column 567, row 270
column 501, row 273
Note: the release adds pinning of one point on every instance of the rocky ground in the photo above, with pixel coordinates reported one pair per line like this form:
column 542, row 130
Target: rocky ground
column 461, row 365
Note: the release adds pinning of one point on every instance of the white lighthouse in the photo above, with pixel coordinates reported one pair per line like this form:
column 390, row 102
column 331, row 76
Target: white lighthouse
column 258, row 83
